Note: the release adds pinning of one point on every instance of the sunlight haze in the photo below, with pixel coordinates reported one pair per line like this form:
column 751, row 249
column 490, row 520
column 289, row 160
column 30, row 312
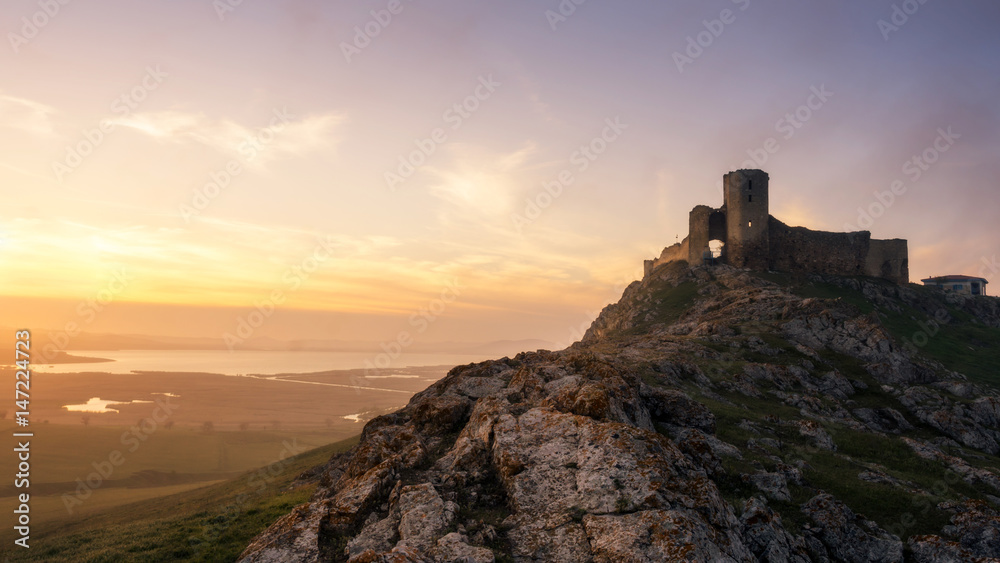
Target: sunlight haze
column 234, row 152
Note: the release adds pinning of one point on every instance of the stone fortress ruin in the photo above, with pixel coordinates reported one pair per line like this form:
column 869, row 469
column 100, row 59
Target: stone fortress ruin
column 747, row 236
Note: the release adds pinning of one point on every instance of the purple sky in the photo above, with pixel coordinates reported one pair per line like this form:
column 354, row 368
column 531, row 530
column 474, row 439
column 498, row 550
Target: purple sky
column 267, row 87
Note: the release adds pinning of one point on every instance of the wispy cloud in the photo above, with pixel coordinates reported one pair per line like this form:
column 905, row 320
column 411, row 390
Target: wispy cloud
column 26, row 115
column 280, row 135
column 480, row 180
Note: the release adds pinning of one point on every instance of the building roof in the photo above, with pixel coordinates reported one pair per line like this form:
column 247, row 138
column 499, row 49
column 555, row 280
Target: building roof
column 946, row 279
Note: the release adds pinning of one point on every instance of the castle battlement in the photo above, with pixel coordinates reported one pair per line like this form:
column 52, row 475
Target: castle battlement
column 751, row 238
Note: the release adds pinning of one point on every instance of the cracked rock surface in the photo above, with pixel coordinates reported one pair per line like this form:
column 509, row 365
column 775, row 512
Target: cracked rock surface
column 711, row 415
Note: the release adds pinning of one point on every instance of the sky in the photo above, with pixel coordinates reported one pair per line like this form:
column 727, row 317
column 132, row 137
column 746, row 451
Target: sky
column 462, row 171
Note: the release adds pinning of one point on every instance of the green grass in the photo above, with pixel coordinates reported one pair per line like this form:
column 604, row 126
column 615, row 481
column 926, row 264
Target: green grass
column 848, row 366
column 892, row 453
column 885, row 504
column 822, row 290
column 213, row 523
column 970, row 349
column 728, row 417
column 836, row 472
column 778, row 278
column 961, row 344
column 62, row 453
column 669, row 304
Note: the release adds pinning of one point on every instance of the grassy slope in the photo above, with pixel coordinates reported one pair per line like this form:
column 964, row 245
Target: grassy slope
column 63, row 453
column 837, row 472
column 669, row 304
column 962, row 345
column 213, row 523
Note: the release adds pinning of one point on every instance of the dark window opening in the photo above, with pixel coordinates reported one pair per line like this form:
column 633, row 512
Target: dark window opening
column 750, row 182
column 751, row 198
column 717, row 226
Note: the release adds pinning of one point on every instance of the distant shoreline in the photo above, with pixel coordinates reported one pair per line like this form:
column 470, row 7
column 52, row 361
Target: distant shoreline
column 64, row 358
column 243, row 362
column 388, row 373
column 318, row 400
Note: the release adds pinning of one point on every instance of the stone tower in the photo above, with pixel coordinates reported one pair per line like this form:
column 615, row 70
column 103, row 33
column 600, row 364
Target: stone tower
column 747, row 219
column 756, row 241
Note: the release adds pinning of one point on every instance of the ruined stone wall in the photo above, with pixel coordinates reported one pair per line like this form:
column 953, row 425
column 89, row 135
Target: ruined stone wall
column 672, row 253
column 889, row 259
column 677, row 251
column 797, row 249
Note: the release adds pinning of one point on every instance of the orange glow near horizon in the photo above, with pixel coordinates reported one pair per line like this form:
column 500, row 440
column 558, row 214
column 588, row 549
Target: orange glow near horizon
column 214, row 161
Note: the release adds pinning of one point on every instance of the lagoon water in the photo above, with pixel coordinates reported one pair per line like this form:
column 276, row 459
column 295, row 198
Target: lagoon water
column 246, row 362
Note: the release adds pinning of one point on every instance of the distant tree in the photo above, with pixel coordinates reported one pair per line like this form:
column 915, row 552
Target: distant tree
column 208, row 427
column 329, row 422
column 244, row 426
column 3, row 414
column 169, row 425
column 85, row 420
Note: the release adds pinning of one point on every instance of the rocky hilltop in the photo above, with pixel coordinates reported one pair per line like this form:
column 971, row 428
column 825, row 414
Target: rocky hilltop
column 713, row 414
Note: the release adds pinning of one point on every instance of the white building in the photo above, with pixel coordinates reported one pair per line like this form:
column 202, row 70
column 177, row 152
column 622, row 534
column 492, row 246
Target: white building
column 965, row 285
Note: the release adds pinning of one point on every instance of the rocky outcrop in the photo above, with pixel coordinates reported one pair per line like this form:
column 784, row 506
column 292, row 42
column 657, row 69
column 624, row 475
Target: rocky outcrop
column 295, row 537
column 767, row 539
column 566, row 444
column 702, row 418
column 841, row 536
column 974, row 535
column 773, row 485
column 956, row 465
column 883, row 419
column 974, row 425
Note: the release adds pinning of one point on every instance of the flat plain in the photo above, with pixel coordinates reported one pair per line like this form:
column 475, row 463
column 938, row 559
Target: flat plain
column 170, row 433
